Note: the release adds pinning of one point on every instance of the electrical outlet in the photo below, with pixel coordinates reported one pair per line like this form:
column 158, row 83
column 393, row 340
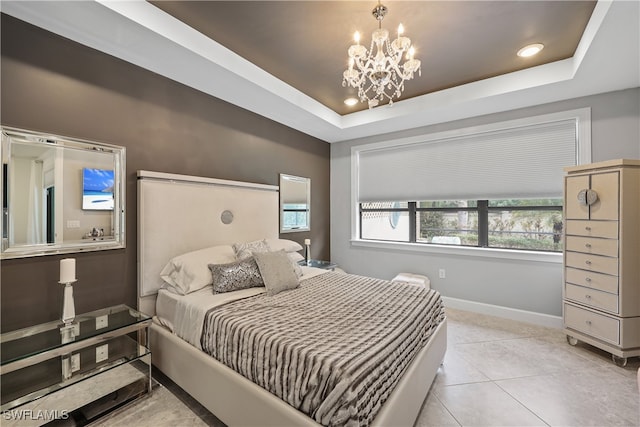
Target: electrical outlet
column 102, row 353
column 442, row 274
column 75, row 362
column 102, row 321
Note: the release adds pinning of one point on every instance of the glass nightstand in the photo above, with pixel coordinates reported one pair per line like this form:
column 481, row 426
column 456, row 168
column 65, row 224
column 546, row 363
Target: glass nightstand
column 38, row 361
column 326, row 265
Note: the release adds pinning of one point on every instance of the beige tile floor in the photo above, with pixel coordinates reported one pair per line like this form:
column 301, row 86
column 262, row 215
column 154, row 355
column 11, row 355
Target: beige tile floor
column 503, row 373
column 496, row 373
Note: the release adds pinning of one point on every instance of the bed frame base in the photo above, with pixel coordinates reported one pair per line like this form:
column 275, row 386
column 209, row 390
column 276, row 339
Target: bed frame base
column 237, row 401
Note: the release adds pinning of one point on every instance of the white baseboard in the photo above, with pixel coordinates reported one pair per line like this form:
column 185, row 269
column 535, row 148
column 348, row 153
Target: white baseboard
column 540, row 319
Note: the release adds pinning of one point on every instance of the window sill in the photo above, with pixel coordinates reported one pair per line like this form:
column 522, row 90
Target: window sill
column 548, row 257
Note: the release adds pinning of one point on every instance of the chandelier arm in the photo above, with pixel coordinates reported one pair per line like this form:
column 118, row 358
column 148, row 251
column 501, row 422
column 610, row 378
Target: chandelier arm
column 362, row 66
column 396, row 68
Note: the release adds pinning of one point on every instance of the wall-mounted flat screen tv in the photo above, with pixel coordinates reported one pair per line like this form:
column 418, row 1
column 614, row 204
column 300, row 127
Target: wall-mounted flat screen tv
column 97, row 189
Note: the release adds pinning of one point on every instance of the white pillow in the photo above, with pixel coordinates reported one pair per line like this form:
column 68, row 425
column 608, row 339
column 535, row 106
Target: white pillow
column 284, row 245
column 190, row 272
column 295, row 258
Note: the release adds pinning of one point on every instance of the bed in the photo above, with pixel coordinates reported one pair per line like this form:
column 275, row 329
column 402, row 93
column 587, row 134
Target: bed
column 179, row 214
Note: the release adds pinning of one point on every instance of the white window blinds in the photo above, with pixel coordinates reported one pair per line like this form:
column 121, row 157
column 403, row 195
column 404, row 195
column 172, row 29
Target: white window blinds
column 521, row 162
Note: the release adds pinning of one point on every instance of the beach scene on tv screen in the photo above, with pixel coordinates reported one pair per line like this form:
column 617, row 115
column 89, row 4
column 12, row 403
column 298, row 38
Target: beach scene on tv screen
column 97, row 189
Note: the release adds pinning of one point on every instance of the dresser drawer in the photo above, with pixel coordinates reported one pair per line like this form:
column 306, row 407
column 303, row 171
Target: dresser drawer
column 599, row 281
column 597, row 263
column 597, row 325
column 592, row 245
column 606, row 229
column 592, row 297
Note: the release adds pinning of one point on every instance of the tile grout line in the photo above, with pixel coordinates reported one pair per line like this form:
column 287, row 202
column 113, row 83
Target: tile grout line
column 522, row 403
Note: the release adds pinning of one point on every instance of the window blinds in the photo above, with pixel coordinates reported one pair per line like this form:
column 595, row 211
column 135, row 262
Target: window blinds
column 522, row 162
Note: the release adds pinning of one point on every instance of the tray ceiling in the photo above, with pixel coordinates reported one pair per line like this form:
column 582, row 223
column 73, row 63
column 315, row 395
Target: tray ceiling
column 305, row 43
column 284, row 59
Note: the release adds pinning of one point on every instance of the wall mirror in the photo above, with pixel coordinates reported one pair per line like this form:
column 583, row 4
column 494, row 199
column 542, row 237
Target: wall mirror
column 295, row 203
column 60, row 195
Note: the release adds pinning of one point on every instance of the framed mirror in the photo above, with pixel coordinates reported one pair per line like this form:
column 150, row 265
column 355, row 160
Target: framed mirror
column 295, row 203
column 60, row 195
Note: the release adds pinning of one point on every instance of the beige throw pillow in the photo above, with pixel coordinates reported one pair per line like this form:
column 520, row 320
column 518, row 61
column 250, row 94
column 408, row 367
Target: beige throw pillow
column 277, row 271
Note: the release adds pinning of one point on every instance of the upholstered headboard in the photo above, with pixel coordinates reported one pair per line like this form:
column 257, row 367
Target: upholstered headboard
column 180, row 213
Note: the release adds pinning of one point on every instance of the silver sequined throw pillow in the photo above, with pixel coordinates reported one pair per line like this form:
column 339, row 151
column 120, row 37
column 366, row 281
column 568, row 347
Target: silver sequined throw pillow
column 236, row 275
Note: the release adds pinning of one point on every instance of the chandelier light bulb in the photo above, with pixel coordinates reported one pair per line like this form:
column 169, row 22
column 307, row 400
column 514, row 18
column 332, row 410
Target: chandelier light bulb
column 379, row 73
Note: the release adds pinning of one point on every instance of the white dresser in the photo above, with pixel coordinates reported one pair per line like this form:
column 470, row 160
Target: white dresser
column 602, row 257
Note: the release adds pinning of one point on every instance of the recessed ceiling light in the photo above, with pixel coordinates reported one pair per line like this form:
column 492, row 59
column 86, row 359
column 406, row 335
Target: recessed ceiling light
column 351, row 101
column 530, row 50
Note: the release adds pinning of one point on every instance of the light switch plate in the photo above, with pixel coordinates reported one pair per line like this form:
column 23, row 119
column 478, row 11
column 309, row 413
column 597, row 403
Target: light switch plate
column 73, row 223
column 102, row 321
column 102, row 353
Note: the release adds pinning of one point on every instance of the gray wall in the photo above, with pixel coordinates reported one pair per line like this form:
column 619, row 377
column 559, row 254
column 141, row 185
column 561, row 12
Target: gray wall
column 527, row 285
column 51, row 84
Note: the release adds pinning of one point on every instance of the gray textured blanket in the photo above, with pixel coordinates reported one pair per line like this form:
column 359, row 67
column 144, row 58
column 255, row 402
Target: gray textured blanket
column 334, row 348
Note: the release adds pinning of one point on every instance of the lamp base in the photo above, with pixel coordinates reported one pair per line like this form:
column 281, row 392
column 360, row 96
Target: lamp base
column 307, row 253
column 68, row 305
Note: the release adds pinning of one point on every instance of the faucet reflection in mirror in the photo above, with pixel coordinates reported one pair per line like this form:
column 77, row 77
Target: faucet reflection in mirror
column 55, row 189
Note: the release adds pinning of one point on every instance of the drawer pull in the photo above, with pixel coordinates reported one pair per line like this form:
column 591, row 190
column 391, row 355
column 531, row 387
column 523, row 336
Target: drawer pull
column 588, row 245
column 587, row 262
column 587, row 296
column 588, row 322
column 588, row 279
column 588, row 228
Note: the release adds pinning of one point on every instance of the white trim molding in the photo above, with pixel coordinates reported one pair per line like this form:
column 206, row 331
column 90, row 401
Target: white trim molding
column 525, row 316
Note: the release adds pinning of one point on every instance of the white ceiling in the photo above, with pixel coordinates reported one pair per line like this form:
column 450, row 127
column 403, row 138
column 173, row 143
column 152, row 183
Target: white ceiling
column 606, row 59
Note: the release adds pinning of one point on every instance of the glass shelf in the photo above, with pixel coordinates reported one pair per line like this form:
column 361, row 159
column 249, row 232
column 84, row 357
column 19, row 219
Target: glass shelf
column 39, row 360
column 33, row 382
column 326, row 265
column 38, row 340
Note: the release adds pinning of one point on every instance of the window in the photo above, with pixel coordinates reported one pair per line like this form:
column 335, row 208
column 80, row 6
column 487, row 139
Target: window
column 385, row 221
column 526, row 224
column 497, row 185
column 295, row 216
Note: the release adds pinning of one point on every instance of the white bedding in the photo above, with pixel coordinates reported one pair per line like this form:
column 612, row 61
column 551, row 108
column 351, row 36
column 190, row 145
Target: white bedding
column 184, row 314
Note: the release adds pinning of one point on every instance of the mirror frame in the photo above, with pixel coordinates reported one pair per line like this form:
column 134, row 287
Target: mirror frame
column 302, row 180
column 12, row 136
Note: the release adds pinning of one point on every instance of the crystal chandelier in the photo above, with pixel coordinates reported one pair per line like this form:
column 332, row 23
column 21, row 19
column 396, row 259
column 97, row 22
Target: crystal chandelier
column 380, row 75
